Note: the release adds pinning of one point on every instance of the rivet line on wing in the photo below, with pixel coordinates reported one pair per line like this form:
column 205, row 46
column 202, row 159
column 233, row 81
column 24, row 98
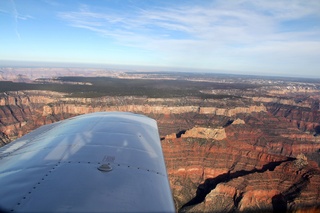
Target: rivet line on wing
column 114, row 164
column 36, row 185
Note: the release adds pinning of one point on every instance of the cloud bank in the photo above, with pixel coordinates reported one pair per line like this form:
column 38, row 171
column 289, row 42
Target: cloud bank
column 234, row 35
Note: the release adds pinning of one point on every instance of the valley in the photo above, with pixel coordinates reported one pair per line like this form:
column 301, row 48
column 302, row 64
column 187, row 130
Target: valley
column 231, row 143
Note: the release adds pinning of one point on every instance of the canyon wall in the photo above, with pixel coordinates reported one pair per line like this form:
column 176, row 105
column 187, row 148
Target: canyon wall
column 246, row 154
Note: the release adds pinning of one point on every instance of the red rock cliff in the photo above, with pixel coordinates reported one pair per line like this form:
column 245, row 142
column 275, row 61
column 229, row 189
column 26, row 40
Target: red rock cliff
column 230, row 155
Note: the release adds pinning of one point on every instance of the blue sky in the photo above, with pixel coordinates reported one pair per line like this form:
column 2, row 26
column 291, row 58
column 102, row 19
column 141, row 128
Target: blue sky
column 276, row 37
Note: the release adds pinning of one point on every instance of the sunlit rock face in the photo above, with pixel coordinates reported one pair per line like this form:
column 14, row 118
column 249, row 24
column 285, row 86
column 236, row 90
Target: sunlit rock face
column 249, row 154
column 231, row 175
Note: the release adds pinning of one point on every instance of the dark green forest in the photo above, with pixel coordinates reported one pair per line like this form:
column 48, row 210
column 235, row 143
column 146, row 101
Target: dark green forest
column 106, row 86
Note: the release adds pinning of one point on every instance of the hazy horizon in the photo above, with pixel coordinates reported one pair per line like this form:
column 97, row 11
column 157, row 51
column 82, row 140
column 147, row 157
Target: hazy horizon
column 248, row 37
column 137, row 68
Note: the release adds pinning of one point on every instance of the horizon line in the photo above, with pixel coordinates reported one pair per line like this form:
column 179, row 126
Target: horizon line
column 138, row 68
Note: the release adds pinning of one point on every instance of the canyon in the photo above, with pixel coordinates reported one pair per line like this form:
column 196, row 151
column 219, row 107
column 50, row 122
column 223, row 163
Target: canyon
column 226, row 150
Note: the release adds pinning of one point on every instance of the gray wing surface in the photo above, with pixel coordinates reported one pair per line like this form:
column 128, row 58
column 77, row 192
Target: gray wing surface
column 99, row 162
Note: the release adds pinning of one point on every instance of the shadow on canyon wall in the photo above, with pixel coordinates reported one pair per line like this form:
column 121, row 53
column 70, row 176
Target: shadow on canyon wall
column 209, row 184
column 178, row 135
column 280, row 201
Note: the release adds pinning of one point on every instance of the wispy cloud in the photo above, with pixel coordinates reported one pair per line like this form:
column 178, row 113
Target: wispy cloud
column 52, row 3
column 16, row 17
column 210, row 32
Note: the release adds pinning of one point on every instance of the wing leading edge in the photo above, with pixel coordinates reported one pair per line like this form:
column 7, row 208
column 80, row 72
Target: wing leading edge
column 99, row 162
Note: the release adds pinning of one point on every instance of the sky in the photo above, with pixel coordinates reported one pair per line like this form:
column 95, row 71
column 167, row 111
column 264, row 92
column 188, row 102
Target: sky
column 267, row 37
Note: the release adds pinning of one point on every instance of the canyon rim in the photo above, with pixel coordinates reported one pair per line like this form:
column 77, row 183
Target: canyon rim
column 230, row 143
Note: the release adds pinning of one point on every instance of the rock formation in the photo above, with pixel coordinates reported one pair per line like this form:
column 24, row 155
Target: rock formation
column 258, row 152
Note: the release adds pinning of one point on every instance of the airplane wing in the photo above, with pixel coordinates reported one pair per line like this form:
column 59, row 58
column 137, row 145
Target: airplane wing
column 99, row 162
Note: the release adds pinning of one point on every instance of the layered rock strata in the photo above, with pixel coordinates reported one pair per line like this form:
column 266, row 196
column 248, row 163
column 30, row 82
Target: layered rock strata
column 252, row 153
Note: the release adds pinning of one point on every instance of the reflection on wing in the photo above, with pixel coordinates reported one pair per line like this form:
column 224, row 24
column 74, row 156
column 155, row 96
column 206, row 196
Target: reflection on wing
column 91, row 163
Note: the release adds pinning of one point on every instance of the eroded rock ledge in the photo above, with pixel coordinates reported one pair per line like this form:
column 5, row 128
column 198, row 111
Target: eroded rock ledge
column 221, row 155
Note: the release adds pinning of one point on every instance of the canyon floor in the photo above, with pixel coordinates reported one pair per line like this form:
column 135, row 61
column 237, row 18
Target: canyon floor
column 231, row 143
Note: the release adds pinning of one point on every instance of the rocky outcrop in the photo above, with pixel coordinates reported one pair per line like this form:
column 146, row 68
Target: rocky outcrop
column 232, row 112
column 206, row 133
column 238, row 121
column 149, row 109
